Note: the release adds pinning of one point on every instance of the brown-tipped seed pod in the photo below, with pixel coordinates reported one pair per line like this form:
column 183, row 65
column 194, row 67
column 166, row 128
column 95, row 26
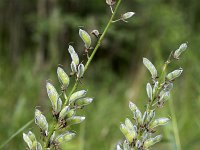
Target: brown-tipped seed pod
column 63, row 77
column 150, row 67
column 80, row 71
column 158, row 122
column 85, row 37
column 152, row 141
column 77, row 95
column 75, row 120
column 174, row 74
column 65, row 137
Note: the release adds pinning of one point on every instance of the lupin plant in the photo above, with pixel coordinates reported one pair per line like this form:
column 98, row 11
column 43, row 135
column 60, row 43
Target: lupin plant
column 140, row 135
column 66, row 103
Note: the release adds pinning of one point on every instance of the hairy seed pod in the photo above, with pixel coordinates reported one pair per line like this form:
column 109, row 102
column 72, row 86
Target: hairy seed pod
column 59, row 106
column 75, row 120
column 73, row 54
column 65, row 137
column 70, row 113
column 41, row 121
column 28, row 141
column 138, row 116
column 180, row 50
column 155, row 87
column 130, row 127
column 77, row 95
column 144, row 117
column 80, row 71
column 127, row 15
column 62, row 77
column 63, row 112
column 73, row 67
column 152, row 141
column 127, row 133
column 132, row 107
column 174, row 74
column 31, row 135
column 85, row 37
column 149, row 91
column 150, row 116
column 158, row 122
column 150, row 67
column 83, row 101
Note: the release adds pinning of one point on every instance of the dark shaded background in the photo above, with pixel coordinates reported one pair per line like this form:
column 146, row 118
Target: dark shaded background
column 34, row 37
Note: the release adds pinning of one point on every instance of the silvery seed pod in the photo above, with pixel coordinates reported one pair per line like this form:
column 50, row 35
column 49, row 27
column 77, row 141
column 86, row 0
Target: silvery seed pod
column 77, row 95
column 52, row 94
column 41, row 121
column 74, row 55
column 164, row 96
column 28, row 141
column 70, row 113
column 59, row 106
column 132, row 107
column 168, row 87
column 174, row 74
column 75, row 120
column 62, row 77
column 127, row 133
column 80, row 71
column 144, row 117
column 85, row 37
column 179, row 51
column 152, row 141
column 155, row 87
column 31, row 136
column 118, row 147
column 65, row 137
column 131, row 128
column 63, row 112
column 138, row 116
column 110, row 2
column 158, row 122
column 38, row 146
column 127, row 15
column 73, row 67
column 83, row 101
column 150, row 67
column 144, row 136
column 149, row 91
column 150, row 116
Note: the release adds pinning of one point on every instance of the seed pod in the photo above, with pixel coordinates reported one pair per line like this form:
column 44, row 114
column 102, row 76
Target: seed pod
column 164, row 96
column 77, row 95
column 118, row 147
column 150, row 67
column 52, row 137
column 127, row 15
column 110, row 2
column 38, row 146
column 75, row 120
column 83, row 101
column 132, row 107
column 59, row 106
column 144, row 117
column 41, row 121
column 63, row 77
column 53, row 95
column 70, row 113
column 80, row 71
column 28, row 141
column 85, row 37
column 168, row 87
column 152, row 141
column 127, row 133
column 159, row 122
column 63, row 112
column 174, row 74
column 65, row 137
column 150, row 116
column 131, row 128
column 155, row 87
column 138, row 116
column 74, row 55
column 149, row 91
column 73, row 67
column 126, row 145
column 31, row 136
column 179, row 51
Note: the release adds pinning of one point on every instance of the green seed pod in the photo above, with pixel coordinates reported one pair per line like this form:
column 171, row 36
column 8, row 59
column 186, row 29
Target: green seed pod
column 53, row 95
column 144, row 117
column 83, row 101
column 150, row 116
column 65, row 137
column 75, row 120
column 155, row 87
column 31, row 136
column 126, row 145
column 132, row 107
column 138, row 116
column 52, row 137
column 150, row 67
column 152, row 141
column 131, row 128
column 70, row 113
column 28, row 141
column 149, row 91
column 127, row 133
column 41, row 121
column 80, row 71
column 73, row 67
column 174, row 74
column 159, row 122
column 63, row 77
column 127, row 15
column 63, row 112
column 39, row 146
column 85, row 37
column 77, row 95
column 164, row 96
column 179, row 51
column 59, row 106
column 74, row 55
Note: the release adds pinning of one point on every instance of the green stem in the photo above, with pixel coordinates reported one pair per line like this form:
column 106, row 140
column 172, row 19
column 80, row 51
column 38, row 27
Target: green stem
column 53, row 128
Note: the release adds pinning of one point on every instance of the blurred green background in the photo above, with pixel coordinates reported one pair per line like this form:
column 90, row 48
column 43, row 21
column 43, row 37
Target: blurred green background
column 34, row 37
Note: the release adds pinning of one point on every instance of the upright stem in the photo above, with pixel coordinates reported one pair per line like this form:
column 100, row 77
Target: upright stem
column 53, row 127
